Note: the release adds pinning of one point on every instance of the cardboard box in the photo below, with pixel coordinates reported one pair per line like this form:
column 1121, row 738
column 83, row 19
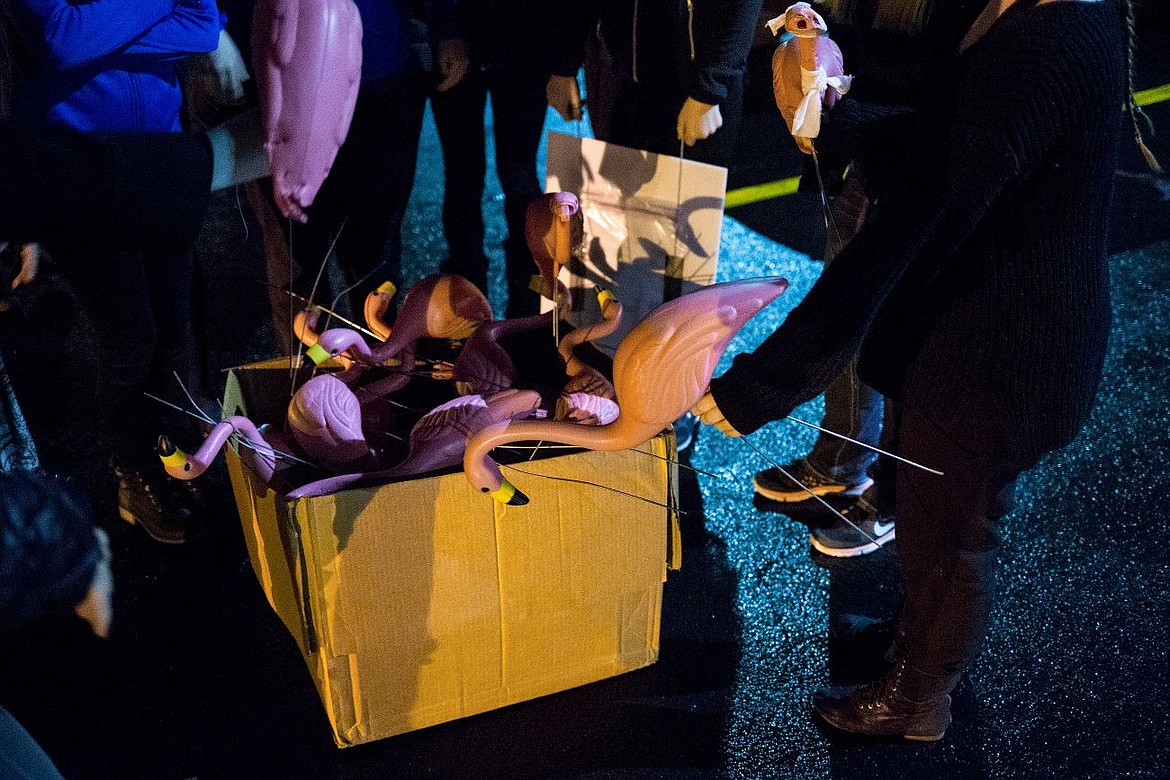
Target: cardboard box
column 423, row 601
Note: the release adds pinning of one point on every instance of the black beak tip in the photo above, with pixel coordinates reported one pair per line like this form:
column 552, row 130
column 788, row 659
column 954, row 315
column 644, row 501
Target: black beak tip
column 518, row 499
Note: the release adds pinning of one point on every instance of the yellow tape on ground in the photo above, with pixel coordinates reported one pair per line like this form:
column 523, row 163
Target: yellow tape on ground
column 758, row 192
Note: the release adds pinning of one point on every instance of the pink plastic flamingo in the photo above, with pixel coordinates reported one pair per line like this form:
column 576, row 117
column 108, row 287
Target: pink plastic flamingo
column 807, row 72
column 376, row 306
column 551, row 225
column 307, row 57
column 325, row 417
column 583, row 378
column 437, row 441
column 483, row 366
column 661, row 368
column 262, row 457
column 442, row 306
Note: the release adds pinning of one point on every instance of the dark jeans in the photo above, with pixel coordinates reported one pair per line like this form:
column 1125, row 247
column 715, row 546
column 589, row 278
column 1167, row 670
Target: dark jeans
column 852, row 407
column 518, row 110
column 364, row 198
column 948, row 536
column 141, row 308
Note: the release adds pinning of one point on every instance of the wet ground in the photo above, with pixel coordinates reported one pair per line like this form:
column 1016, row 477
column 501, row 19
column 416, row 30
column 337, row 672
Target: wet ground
column 200, row 678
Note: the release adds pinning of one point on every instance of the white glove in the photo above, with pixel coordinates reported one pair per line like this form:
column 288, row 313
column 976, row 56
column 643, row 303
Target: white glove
column 453, row 63
column 708, row 412
column 229, row 68
column 697, row 121
column 564, row 96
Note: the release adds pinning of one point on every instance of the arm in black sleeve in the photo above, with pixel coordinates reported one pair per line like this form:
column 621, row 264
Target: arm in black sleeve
column 1011, row 106
column 147, row 191
column 720, row 34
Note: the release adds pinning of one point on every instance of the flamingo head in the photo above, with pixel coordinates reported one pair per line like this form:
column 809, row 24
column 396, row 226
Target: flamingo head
column 334, row 342
column 176, row 462
column 563, row 205
column 803, row 22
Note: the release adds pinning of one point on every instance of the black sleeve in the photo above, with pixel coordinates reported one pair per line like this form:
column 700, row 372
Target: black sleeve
column 146, row 191
column 720, row 34
column 1017, row 98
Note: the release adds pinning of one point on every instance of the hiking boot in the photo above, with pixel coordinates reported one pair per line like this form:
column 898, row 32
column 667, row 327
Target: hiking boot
column 148, row 498
column 866, row 530
column 802, row 483
column 904, row 703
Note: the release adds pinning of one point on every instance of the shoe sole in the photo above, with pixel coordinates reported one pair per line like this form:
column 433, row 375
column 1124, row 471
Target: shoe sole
column 132, row 520
column 852, row 552
column 910, row 737
column 819, row 490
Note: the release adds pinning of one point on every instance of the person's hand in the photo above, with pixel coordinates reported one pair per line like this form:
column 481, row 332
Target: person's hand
column 697, row 121
column 708, row 412
column 229, row 69
column 453, row 63
column 30, row 263
column 96, row 608
column 564, row 96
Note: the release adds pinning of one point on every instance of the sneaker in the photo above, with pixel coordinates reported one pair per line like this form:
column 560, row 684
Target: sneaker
column 866, row 530
column 775, row 485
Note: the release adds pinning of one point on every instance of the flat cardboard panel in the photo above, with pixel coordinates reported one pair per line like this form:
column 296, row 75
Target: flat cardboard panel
column 652, row 224
column 423, row 601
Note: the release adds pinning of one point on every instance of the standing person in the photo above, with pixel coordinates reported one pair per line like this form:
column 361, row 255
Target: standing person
column 115, row 66
column 680, row 65
column 359, row 208
column 888, row 47
column 977, row 294
column 503, row 38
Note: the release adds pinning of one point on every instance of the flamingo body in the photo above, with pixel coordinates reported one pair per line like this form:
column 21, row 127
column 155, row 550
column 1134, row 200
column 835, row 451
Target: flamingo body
column 661, row 369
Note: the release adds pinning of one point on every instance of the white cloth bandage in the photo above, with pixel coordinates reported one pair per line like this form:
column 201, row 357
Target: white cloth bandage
column 806, row 123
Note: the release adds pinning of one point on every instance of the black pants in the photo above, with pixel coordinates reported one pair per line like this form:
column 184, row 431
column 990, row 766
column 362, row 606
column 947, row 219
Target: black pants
column 518, row 110
column 141, row 308
column 364, row 198
column 948, row 533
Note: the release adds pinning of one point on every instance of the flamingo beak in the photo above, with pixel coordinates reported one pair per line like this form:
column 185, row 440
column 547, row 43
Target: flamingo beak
column 508, row 494
column 173, row 458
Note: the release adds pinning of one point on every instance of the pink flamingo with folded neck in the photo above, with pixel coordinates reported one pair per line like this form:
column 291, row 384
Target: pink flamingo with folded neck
column 266, row 455
column 552, row 226
column 437, row 440
column 661, row 369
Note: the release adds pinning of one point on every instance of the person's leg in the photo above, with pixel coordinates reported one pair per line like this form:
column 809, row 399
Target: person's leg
column 852, row 407
column 948, row 538
column 459, row 118
column 363, row 201
column 116, row 290
column 947, row 545
column 518, row 111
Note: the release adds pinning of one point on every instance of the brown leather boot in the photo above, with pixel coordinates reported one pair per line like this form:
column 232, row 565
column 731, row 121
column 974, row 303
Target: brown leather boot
column 905, row 703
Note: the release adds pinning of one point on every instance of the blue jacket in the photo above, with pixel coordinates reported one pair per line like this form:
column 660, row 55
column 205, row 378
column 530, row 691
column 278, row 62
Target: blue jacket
column 111, row 65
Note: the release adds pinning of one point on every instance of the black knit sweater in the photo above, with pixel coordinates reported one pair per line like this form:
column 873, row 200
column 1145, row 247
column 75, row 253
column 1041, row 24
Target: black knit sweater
column 984, row 273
